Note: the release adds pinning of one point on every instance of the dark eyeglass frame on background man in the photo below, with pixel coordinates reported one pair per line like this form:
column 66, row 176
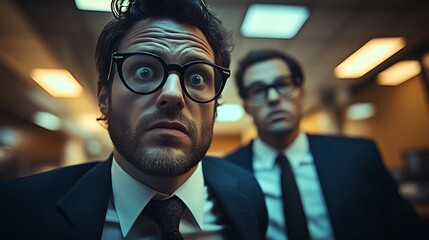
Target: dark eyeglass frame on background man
column 285, row 86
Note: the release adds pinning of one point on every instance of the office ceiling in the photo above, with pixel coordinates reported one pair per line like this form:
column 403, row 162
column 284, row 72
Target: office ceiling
column 54, row 34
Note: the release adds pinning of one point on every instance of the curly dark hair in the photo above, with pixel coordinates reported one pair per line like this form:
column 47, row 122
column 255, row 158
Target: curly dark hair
column 127, row 13
column 261, row 55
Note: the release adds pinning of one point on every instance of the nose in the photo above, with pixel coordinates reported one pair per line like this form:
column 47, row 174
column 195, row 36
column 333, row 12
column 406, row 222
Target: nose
column 272, row 96
column 171, row 95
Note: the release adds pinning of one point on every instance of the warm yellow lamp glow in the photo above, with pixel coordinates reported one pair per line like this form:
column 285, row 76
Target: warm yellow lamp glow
column 399, row 73
column 57, row 82
column 370, row 55
column 90, row 124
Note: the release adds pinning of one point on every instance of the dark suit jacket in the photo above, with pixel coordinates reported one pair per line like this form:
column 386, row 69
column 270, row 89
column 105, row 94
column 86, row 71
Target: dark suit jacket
column 361, row 196
column 71, row 202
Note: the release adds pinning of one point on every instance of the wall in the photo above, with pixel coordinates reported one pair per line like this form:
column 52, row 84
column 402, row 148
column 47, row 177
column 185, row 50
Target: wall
column 223, row 144
column 401, row 121
column 29, row 148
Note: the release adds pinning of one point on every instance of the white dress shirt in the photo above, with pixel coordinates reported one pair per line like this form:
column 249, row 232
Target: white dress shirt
column 267, row 173
column 201, row 218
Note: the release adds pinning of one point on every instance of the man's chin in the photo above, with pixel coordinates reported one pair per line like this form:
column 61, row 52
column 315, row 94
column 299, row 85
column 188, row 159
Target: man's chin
column 166, row 162
column 280, row 126
column 167, row 151
column 281, row 129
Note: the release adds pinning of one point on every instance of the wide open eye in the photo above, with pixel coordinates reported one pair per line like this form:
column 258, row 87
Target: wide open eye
column 200, row 76
column 200, row 81
column 196, row 80
column 145, row 73
column 142, row 73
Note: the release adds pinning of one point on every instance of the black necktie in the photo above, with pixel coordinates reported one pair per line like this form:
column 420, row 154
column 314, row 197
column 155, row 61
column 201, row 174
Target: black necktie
column 296, row 223
column 166, row 214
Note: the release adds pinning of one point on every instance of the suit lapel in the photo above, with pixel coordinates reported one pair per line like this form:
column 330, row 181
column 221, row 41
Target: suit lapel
column 243, row 157
column 85, row 205
column 237, row 207
column 326, row 159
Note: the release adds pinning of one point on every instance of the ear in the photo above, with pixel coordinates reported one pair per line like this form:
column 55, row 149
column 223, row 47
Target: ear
column 103, row 99
column 246, row 107
column 302, row 95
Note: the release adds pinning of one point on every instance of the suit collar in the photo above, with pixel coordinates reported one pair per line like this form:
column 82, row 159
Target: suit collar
column 243, row 157
column 326, row 157
column 130, row 201
column 85, row 204
column 225, row 186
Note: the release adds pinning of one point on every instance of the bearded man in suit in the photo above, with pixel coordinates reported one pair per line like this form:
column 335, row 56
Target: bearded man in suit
column 162, row 66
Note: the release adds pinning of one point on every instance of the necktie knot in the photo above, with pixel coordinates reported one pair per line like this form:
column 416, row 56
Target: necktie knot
column 166, row 214
column 282, row 160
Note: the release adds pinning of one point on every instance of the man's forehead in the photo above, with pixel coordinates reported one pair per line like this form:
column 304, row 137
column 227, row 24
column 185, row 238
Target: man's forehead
column 266, row 70
column 165, row 31
column 164, row 23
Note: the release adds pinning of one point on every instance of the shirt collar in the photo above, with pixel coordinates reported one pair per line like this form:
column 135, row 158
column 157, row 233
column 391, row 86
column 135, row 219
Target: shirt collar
column 297, row 152
column 264, row 155
column 131, row 196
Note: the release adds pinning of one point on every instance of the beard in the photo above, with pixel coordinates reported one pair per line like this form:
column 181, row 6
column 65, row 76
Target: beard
column 163, row 156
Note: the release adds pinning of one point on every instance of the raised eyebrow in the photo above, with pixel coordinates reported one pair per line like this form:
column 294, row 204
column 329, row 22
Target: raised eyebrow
column 193, row 58
column 187, row 57
column 283, row 77
column 257, row 83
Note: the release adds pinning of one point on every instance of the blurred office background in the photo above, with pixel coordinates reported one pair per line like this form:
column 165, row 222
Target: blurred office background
column 41, row 130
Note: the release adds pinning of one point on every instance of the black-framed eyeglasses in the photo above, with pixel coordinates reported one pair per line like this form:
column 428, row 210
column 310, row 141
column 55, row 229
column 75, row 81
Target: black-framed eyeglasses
column 258, row 91
column 145, row 73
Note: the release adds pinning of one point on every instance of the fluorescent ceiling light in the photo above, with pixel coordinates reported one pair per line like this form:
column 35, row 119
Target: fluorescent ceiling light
column 369, row 56
column 360, row 111
column 399, row 73
column 8, row 137
column 273, row 20
column 47, row 120
column 229, row 113
column 57, row 82
column 93, row 5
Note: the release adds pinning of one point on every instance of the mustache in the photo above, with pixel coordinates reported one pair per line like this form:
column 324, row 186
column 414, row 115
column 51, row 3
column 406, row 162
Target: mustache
column 147, row 120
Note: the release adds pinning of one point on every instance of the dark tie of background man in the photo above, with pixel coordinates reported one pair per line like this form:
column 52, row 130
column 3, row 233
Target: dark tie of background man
column 166, row 214
column 296, row 222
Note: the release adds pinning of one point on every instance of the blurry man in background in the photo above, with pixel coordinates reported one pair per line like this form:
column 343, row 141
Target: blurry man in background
column 316, row 187
column 162, row 65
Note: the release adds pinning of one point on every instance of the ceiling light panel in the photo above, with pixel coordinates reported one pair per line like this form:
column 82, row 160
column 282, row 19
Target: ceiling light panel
column 47, row 120
column 369, row 56
column 57, row 82
column 273, row 20
column 399, row 73
column 93, row 5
